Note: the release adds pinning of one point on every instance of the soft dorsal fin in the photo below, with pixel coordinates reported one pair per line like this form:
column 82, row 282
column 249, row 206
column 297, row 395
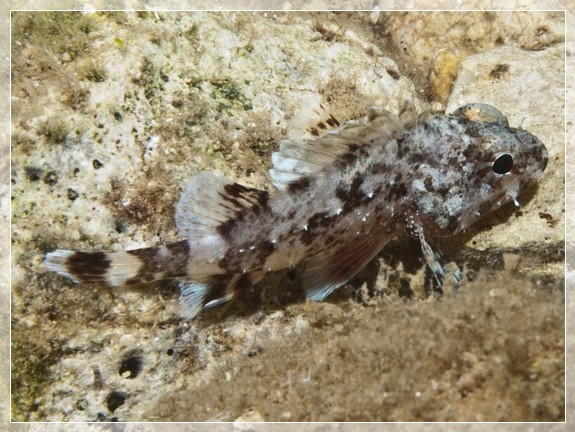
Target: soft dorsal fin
column 210, row 200
column 324, row 274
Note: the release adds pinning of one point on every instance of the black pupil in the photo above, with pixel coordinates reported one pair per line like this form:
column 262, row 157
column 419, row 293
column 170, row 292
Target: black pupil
column 503, row 164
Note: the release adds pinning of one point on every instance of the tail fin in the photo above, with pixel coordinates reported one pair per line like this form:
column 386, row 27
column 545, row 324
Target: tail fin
column 121, row 268
column 146, row 265
column 67, row 263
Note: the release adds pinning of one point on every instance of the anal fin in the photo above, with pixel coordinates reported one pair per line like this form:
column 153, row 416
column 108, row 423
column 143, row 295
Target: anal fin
column 217, row 290
column 325, row 273
column 192, row 298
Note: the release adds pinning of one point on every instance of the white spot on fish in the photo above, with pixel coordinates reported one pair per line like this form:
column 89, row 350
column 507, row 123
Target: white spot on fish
column 513, row 196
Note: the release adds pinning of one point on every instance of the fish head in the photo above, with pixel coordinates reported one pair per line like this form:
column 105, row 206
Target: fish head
column 477, row 164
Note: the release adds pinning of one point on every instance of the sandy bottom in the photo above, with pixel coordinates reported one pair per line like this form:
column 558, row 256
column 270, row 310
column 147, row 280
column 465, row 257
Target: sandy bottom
column 493, row 352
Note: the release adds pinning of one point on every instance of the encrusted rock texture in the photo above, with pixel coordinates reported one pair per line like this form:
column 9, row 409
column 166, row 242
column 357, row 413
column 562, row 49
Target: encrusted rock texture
column 113, row 112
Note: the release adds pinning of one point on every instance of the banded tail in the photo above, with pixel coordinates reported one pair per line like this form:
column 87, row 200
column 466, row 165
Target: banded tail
column 125, row 268
column 208, row 203
column 147, row 265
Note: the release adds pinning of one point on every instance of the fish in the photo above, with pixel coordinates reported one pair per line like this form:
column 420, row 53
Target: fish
column 339, row 198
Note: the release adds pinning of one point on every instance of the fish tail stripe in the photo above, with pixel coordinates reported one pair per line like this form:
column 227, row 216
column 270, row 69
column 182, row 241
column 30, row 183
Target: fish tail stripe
column 121, row 268
column 57, row 261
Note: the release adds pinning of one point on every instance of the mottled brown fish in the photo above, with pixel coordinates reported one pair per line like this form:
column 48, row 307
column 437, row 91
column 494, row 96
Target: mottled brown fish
column 340, row 199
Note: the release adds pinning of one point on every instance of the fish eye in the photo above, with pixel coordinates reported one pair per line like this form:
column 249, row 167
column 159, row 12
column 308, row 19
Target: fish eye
column 502, row 164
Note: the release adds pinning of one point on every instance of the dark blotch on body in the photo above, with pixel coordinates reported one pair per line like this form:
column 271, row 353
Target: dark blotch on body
column 181, row 248
column 307, row 237
column 319, row 220
column 225, row 229
column 353, row 147
column 379, row 168
column 468, row 152
column 264, row 250
column 352, row 198
column 401, row 148
column 396, row 192
column 318, row 225
column 416, row 158
column 345, row 160
column 174, row 265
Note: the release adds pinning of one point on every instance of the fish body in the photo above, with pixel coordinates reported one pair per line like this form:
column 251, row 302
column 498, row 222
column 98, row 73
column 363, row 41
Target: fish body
column 339, row 199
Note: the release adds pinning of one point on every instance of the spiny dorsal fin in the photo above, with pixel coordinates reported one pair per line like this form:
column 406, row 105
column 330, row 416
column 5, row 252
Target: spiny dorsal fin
column 209, row 201
column 324, row 274
column 296, row 159
column 301, row 155
column 310, row 120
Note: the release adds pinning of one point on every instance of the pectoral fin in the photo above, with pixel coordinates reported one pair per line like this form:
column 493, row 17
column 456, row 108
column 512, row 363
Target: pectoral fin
column 325, row 273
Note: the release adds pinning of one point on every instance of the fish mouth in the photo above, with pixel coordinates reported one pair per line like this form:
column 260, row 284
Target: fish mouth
column 534, row 179
column 537, row 149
